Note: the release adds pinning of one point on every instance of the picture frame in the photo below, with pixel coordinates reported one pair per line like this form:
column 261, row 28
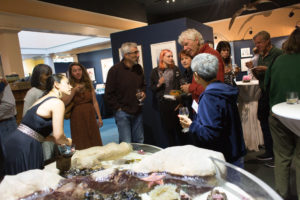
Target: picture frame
column 106, row 64
column 156, row 49
column 91, row 73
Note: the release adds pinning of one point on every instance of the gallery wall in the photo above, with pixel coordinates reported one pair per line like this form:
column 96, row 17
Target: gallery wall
column 249, row 45
column 89, row 60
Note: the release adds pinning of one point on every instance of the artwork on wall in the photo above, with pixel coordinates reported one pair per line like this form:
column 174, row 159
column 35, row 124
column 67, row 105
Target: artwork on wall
column 91, row 73
column 139, row 47
column 244, row 68
column 156, row 49
column 106, row 64
column 245, row 52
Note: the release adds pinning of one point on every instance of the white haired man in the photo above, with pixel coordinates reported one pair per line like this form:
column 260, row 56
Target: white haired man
column 122, row 82
column 192, row 42
column 217, row 124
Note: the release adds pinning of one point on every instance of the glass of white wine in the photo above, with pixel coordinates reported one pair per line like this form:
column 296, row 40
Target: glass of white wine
column 292, row 97
column 139, row 96
column 184, row 111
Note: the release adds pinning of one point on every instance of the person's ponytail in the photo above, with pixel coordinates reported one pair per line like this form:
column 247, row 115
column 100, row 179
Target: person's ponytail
column 50, row 82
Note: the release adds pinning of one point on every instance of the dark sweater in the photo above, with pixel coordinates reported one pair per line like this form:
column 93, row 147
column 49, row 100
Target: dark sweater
column 283, row 77
column 121, row 85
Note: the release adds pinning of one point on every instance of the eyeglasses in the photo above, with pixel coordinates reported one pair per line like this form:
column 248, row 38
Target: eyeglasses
column 135, row 52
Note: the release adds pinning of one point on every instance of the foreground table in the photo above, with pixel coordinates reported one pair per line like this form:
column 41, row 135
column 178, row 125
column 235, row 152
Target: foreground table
column 249, row 93
column 289, row 115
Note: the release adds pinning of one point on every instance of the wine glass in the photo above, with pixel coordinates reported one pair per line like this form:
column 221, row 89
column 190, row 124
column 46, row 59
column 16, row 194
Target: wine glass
column 66, row 150
column 183, row 81
column 184, row 111
column 139, row 96
column 292, row 97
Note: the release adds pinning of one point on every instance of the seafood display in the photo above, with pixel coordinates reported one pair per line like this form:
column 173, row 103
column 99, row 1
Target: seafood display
column 126, row 171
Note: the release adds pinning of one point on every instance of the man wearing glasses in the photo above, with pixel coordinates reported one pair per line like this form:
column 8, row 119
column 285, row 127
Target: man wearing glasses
column 125, row 87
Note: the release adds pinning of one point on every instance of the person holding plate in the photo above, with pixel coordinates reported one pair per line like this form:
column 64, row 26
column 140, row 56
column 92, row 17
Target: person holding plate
column 165, row 80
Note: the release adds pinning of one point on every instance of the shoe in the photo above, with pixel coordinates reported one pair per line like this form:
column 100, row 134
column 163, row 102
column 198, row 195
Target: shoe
column 264, row 156
column 270, row 163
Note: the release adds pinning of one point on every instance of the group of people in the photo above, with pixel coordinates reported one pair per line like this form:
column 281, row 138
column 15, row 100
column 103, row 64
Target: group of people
column 278, row 73
column 210, row 94
column 208, row 82
column 216, row 122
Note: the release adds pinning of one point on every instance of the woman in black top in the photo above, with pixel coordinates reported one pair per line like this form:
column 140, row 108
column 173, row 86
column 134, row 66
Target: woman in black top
column 164, row 78
column 224, row 49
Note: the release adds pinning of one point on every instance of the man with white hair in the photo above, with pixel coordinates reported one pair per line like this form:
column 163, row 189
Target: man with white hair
column 192, row 42
column 123, row 81
column 217, row 123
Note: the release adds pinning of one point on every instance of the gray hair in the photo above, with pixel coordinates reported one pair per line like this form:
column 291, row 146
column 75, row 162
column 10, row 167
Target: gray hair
column 264, row 34
column 125, row 48
column 190, row 34
column 206, row 66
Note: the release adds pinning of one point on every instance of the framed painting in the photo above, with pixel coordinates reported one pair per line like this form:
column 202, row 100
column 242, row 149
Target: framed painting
column 106, row 64
column 156, row 49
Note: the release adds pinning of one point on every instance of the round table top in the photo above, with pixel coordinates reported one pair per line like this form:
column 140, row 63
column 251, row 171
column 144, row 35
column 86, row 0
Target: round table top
column 290, row 111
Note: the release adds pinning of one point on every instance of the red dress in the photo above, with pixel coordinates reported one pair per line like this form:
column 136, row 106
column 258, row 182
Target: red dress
column 84, row 128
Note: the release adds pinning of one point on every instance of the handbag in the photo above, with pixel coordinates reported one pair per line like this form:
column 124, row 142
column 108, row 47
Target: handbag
column 68, row 110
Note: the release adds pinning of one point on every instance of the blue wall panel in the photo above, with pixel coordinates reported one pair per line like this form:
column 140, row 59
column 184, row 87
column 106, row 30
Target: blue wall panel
column 93, row 60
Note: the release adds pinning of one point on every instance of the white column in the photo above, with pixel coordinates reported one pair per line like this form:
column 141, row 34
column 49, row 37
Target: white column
column 49, row 61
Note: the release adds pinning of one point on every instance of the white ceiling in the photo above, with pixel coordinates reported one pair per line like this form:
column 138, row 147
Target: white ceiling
column 30, row 39
column 47, row 43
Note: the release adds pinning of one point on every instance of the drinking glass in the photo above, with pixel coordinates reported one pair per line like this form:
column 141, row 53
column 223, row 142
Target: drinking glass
column 139, row 96
column 292, row 97
column 184, row 111
column 66, row 150
column 183, row 81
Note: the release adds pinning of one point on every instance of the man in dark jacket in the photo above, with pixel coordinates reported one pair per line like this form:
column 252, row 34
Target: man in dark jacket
column 217, row 124
column 123, row 82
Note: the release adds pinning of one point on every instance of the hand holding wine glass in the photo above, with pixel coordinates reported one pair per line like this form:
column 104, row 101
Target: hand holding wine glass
column 140, row 96
column 184, row 115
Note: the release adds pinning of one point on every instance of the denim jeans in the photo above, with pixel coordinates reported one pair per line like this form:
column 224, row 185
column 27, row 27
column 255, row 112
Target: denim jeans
column 130, row 127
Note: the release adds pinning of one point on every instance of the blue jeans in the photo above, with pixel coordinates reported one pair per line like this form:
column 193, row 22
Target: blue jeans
column 130, row 127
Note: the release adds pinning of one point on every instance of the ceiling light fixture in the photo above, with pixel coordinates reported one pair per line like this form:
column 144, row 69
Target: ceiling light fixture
column 291, row 14
column 250, row 31
column 168, row 1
